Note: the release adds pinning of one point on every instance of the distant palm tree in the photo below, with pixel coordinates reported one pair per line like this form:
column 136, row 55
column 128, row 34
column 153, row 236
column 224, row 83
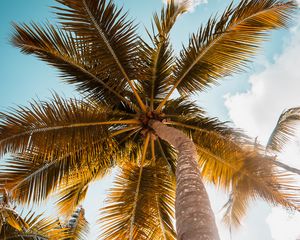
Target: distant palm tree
column 284, row 130
column 127, row 119
column 35, row 227
column 14, row 226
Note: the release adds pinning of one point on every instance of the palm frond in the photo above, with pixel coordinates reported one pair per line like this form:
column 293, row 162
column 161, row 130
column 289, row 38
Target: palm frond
column 224, row 46
column 182, row 107
column 75, row 186
column 10, row 221
column 221, row 149
column 58, row 124
column 259, row 179
column 156, row 71
column 153, row 208
column 14, row 226
column 33, row 176
column 46, row 227
column 112, row 37
column 158, row 60
column 284, row 129
column 228, row 159
column 70, row 55
column 168, row 154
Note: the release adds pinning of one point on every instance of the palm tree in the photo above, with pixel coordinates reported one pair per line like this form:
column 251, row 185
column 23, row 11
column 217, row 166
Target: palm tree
column 77, row 225
column 36, row 227
column 31, row 227
column 282, row 133
column 128, row 119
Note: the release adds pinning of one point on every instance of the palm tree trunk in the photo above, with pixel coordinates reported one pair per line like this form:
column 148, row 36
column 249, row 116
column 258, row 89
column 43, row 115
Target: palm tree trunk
column 194, row 217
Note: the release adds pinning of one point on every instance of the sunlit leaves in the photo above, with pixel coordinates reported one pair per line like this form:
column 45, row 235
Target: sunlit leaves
column 59, row 147
column 78, row 227
column 258, row 178
column 151, row 211
column 224, row 46
column 49, row 126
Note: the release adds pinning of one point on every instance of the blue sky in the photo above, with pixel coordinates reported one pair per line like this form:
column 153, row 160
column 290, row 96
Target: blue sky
column 239, row 99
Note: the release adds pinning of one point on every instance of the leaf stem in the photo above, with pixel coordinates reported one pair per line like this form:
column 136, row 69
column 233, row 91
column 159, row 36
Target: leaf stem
column 146, row 143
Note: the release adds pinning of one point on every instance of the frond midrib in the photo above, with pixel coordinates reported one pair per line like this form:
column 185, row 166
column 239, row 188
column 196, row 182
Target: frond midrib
column 81, row 68
column 112, row 52
column 132, row 219
column 74, row 125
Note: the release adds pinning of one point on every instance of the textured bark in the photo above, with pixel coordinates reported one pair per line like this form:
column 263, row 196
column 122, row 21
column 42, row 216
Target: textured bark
column 194, row 217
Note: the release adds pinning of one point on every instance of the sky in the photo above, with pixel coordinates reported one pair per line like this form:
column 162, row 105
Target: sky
column 252, row 101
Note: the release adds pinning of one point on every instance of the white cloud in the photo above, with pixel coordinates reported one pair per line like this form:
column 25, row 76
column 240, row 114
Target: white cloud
column 191, row 3
column 284, row 226
column 276, row 88
column 273, row 90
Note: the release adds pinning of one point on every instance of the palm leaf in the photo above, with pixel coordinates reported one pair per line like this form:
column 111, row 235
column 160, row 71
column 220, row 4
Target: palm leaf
column 75, row 186
column 46, row 227
column 153, row 208
column 32, row 177
column 111, row 36
column 221, row 149
column 284, row 130
column 182, row 107
column 70, row 55
column 259, row 179
column 158, row 60
column 10, row 221
column 224, row 46
column 32, row 226
column 61, row 124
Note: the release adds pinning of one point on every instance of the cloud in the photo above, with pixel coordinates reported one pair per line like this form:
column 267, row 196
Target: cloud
column 191, row 3
column 274, row 89
column 285, row 226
